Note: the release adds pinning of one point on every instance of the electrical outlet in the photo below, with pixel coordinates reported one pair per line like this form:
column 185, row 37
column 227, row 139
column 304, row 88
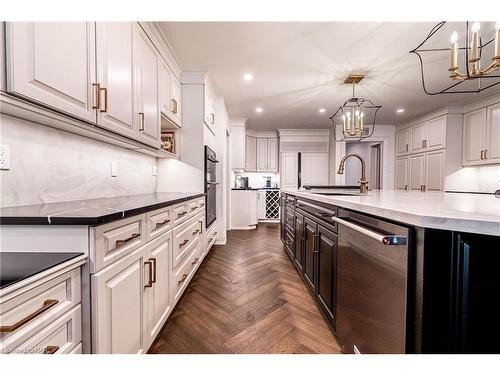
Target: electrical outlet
column 114, row 169
column 154, row 170
column 4, row 157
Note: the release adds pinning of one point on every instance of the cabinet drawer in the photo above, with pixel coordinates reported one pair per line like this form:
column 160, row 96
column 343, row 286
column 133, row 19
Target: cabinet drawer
column 184, row 238
column 183, row 275
column 193, row 207
column 115, row 240
column 158, row 222
column 211, row 235
column 30, row 312
column 60, row 337
column 201, row 203
column 180, row 213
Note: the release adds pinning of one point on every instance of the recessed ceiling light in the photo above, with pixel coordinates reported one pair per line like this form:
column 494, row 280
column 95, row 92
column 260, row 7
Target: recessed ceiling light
column 400, row 110
column 258, row 109
column 321, row 110
column 248, row 77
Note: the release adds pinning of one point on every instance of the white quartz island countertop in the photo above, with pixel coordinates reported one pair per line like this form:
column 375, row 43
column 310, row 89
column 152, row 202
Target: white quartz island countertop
column 474, row 213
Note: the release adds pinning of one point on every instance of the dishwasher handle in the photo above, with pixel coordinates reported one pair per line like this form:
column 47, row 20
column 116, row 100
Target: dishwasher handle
column 381, row 238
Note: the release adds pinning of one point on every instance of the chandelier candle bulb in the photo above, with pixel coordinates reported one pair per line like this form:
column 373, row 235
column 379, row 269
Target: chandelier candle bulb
column 475, row 42
column 497, row 40
column 454, row 51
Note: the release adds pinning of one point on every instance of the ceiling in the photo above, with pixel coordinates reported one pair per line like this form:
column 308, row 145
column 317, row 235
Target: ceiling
column 300, row 67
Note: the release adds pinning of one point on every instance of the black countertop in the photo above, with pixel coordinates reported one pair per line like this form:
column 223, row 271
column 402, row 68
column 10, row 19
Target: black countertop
column 15, row 267
column 90, row 212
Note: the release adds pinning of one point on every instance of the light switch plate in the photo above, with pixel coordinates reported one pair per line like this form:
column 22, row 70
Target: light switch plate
column 114, row 169
column 4, row 157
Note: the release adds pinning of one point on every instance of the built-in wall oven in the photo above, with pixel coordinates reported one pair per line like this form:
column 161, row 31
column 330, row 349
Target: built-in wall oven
column 372, row 276
column 210, row 186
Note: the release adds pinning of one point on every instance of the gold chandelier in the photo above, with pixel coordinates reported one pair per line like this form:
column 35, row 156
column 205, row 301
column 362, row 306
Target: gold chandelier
column 475, row 54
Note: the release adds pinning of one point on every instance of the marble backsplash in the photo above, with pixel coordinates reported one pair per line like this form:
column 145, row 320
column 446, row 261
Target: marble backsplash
column 48, row 165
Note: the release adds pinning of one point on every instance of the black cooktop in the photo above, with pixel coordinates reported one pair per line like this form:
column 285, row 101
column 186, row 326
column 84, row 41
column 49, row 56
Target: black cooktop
column 15, row 267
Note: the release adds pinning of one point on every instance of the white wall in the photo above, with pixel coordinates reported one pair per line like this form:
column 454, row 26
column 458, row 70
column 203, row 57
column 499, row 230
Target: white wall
column 177, row 176
column 483, row 179
column 49, row 165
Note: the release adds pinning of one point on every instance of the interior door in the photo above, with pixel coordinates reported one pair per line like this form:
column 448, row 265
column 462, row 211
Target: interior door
column 417, row 171
column 310, row 250
column 146, row 93
column 327, row 254
column 53, row 63
column 115, row 70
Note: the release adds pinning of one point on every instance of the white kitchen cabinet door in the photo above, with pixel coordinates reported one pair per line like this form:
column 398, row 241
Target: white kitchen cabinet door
column 272, row 155
column 434, row 170
column 474, row 137
column 118, row 306
column 261, row 154
column 166, row 104
column 402, row 142
column 289, row 170
column 176, row 99
column 418, row 136
column 53, row 63
column 250, row 153
column 209, row 109
column 492, row 150
column 436, row 134
column 158, row 296
column 146, row 89
column 314, row 168
column 402, row 168
column 115, row 77
column 261, row 205
column 417, row 171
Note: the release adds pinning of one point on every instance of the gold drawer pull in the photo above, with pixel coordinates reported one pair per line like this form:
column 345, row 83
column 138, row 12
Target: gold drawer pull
column 50, row 349
column 195, row 261
column 184, row 276
column 150, row 281
column 105, row 99
column 158, row 225
column 47, row 304
column 97, row 95
column 194, row 208
column 173, row 106
column 153, row 278
column 182, row 214
column 123, row 242
column 183, row 243
column 196, row 232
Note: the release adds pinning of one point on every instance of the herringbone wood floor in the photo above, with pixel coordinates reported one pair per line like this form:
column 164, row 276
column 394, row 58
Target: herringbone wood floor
column 247, row 298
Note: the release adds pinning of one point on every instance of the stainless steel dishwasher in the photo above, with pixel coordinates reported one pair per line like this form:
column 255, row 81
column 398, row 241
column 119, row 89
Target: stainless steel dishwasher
column 372, row 269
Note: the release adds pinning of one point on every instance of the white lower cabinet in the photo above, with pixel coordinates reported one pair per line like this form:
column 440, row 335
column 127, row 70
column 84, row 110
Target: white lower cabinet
column 402, row 166
column 417, row 172
column 118, row 306
column 261, row 205
column 425, row 171
column 434, row 170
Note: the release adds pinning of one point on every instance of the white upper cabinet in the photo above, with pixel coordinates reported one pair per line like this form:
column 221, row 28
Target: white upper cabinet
column 146, row 89
column 250, row 153
column 402, row 142
column 434, row 170
column 289, row 170
column 170, row 93
column 272, row 155
column 492, row 151
column 176, row 99
column 402, row 173
column 418, row 136
column 209, row 117
column 53, row 63
column 261, row 154
column 314, row 168
column 115, row 78
column 474, row 137
column 436, row 134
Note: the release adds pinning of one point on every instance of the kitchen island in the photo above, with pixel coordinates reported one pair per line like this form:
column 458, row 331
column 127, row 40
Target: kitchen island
column 397, row 271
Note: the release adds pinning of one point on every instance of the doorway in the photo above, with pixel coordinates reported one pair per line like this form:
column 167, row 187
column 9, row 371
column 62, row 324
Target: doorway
column 375, row 162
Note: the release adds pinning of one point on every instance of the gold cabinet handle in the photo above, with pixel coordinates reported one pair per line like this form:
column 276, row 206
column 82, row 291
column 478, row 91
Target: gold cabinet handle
column 184, row 276
column 407, row 147
column 173, row 106
column 196, row 232
column 97, row 93
column 424, row 143
column 201, row 226
column 485, row 154
column 141, row 123
column 183, row 243
column 406, row 187
column 153, row 278
column 482, row 154
column 194, row 208
column 123, row 242
column 164, row 222
column 195, row 261
column 105, row 99
column 47, row 304
column 50, row 349
column 150, row 268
